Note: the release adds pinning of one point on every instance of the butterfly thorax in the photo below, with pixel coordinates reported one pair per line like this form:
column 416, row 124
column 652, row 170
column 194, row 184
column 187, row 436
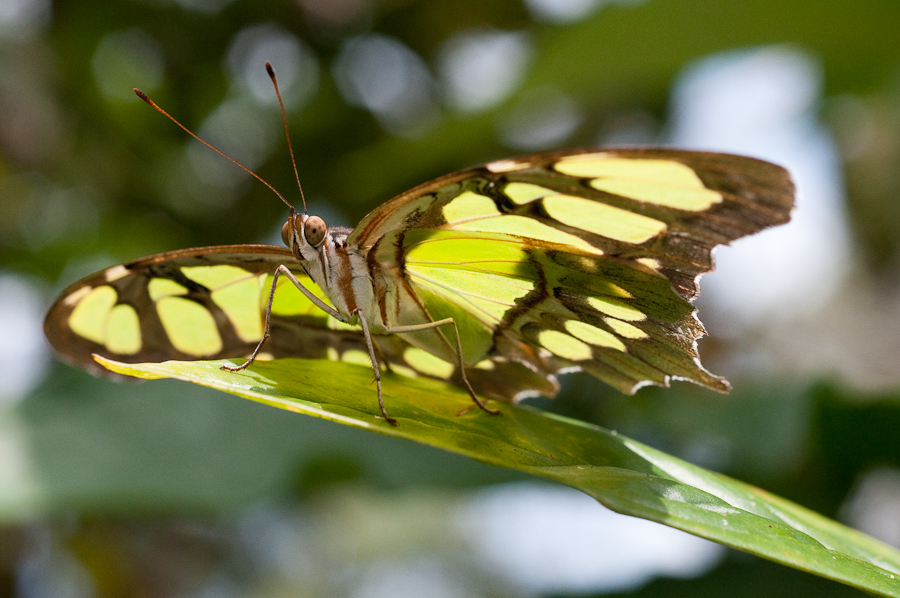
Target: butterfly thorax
column 339, row 269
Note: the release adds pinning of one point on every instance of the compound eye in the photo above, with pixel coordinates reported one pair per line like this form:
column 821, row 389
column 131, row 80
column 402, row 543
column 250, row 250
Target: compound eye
column 315, row 230
column 286, row 233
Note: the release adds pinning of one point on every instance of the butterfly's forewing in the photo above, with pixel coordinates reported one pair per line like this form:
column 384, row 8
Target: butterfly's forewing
column 575, row 259
column 209, row 303
column 701, row 199
column 189, row 304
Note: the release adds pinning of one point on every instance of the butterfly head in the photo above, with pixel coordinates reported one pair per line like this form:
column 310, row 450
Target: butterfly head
column 304, row 235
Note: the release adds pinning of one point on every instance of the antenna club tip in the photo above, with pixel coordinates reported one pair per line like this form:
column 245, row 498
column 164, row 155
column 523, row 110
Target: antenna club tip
column 141, row 95
column 269, row 69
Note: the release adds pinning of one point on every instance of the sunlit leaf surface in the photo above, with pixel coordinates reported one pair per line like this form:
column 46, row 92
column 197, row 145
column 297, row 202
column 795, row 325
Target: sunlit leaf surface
column 623, row 474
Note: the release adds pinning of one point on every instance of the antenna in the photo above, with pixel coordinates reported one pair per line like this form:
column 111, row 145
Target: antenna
column 144, row 97
column 287, row 135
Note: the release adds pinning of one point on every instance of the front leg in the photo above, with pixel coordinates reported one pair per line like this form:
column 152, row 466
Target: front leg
column 370, row 346
column 282, row 269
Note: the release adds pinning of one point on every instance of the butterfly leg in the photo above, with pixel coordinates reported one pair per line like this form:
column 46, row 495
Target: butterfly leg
column 371, row 347
column 459, row 354
column 266, row 331
column 379, row 352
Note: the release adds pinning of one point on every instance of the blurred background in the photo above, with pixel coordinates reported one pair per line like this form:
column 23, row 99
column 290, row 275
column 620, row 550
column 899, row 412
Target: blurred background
column 165, row 489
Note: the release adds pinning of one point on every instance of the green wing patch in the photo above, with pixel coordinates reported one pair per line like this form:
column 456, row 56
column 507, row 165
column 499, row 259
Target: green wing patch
column 507, row 292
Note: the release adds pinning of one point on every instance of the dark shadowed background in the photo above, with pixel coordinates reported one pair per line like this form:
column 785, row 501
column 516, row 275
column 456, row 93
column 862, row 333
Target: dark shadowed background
column 164, row 489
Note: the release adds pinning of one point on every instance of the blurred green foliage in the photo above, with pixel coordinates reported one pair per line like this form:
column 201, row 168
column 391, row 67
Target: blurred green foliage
column 88, row 180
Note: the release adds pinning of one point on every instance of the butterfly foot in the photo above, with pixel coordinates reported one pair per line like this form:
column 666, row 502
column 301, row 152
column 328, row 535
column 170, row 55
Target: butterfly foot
column 235, row 368
column 481, row 406
column 490, row 411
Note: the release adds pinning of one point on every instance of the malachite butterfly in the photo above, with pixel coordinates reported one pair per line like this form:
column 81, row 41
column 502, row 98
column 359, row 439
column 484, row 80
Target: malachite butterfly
column 497, row 277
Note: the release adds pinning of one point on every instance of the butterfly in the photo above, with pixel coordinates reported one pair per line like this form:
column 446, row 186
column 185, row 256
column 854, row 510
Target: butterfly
column 498, row 278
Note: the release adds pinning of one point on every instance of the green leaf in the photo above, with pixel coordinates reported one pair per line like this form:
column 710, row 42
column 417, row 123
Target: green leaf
column 625, row 475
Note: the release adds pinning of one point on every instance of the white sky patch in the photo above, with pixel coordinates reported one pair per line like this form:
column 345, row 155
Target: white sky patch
column 542, row 118
column 23, row 352
column 241, row 130
column 569, row 11
column 23, row 20
column 419, row 577
column 480, row 68
column 760, row 102
column 389, row 79
column 873, row 506
column 294, row 63
column 552, row 539
column 50, row 569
